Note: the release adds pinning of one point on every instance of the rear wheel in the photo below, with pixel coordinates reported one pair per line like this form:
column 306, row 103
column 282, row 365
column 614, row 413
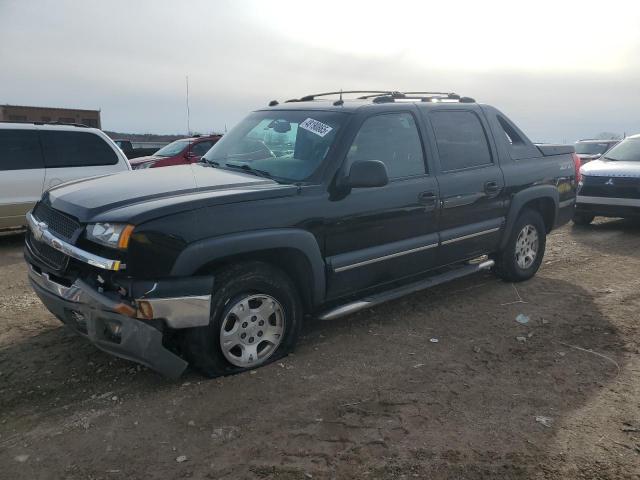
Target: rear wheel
column 582, row 219
column 256, row 317
column 522, row 256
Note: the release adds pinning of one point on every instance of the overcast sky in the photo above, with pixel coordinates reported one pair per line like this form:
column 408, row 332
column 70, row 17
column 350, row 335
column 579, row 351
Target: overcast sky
column 562, row 72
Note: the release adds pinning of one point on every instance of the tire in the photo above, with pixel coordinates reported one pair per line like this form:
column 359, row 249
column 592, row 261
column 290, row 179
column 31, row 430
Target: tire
column 516, row 263
column 582, row 219
column 252, row 299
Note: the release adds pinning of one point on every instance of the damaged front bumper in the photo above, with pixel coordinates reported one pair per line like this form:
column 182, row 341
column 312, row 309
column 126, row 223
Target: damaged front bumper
column 131, row 330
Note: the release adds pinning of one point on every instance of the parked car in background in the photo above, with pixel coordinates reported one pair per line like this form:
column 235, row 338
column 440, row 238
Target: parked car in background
column 139, row 149
column 316, row 207
column 180, row 152
column 36, row 157
column 589, row 150
column 610, row 186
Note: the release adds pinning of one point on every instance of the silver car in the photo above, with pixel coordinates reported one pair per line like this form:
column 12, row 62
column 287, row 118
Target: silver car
column 36, row 157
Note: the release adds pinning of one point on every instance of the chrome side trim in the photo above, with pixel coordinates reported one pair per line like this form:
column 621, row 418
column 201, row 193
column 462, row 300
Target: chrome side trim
column 620, row 202
column 180, row 312
column 41, row 233
column 471, row 235
column 385, row 257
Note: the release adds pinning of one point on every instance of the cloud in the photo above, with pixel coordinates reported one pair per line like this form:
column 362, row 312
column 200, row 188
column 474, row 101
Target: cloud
column 559, row 73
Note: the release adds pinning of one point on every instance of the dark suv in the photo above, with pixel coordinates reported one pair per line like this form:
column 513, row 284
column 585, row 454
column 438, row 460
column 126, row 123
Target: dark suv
column 317, row 207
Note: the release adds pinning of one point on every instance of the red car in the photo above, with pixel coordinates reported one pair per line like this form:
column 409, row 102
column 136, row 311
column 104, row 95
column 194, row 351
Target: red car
column 180, row 152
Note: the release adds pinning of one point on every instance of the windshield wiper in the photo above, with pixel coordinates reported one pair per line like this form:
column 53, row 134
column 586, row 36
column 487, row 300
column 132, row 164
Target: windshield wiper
column 250, row 169
column 212, row 163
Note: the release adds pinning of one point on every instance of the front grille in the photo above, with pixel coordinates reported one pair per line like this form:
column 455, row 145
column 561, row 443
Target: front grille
column 60, row 224
column 615, row 187
column 48, row 255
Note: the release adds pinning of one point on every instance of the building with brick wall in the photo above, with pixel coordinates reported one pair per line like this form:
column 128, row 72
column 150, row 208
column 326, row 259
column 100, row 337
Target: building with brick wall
column 20, row 113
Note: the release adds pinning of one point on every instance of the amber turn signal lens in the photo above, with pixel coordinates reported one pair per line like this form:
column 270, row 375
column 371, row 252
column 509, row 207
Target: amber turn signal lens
column 124, row 309
column 123, row 242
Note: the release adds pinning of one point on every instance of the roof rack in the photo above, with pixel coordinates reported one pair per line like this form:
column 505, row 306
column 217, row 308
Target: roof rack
column 67, row 124
column 385, row 96
column 80, row 125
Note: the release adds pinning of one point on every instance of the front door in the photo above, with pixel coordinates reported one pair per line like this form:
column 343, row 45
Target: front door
column 378, row 235
column 471, row 183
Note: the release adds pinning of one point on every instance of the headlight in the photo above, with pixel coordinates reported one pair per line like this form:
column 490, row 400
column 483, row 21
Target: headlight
column 140, row 166
column 114, row 235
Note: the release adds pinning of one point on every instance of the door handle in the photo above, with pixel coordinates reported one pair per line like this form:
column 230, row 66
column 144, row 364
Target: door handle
column 428, row 199
column 491, row 187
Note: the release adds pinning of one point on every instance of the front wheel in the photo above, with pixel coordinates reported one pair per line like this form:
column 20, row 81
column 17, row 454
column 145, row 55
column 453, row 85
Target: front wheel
column 522, row 256
column 256, row 317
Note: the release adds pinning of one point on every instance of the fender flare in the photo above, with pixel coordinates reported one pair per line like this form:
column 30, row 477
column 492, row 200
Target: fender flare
column 523, row 197
column 199, row 253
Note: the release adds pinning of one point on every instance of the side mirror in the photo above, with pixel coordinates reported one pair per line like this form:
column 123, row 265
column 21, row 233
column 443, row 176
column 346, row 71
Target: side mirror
column 367, row 173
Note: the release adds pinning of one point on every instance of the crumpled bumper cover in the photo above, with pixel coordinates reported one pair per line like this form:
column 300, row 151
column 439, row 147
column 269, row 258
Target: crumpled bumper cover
column 118, row 334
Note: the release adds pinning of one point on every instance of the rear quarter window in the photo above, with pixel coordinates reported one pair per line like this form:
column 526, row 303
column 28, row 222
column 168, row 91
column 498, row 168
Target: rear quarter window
column 20, row 150
column 76, row 149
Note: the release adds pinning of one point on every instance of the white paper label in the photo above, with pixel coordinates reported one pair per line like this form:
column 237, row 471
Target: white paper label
column 316, row 127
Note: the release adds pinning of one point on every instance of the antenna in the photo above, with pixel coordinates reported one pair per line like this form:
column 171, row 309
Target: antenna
column 188, row 113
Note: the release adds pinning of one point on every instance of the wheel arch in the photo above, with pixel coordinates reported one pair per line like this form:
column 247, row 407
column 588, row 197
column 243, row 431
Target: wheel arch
column 295, row 251
column 541, row 198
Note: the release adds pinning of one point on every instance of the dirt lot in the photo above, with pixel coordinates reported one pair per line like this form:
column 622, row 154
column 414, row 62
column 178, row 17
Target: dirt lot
column 368, row 396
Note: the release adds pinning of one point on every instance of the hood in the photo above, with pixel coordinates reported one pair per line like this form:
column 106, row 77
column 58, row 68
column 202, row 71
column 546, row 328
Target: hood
column 611, row 168
column 140, row 195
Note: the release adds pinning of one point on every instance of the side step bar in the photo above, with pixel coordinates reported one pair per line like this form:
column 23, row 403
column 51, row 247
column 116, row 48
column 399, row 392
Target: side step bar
column 377, row 299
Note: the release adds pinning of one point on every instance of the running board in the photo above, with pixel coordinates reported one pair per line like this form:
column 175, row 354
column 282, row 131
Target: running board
column 377, row 299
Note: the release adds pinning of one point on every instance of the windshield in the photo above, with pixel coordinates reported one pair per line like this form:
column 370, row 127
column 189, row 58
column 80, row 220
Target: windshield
column 287, row 145
column 626, row 151
column 591, row 148
column 174, row 148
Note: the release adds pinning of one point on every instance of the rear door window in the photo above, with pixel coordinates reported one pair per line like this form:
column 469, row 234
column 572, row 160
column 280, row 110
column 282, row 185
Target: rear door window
column 461, row 140
column 20, row 150
column 75, row 149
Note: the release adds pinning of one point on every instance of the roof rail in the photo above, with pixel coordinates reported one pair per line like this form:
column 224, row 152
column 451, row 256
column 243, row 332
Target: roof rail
column 385, row 96
column 67, row 124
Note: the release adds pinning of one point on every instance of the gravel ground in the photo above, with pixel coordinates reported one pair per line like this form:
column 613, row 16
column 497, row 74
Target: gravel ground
column 368, row 396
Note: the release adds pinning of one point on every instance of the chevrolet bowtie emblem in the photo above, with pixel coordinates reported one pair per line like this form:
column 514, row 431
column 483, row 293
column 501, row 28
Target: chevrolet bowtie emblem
column 609, row 182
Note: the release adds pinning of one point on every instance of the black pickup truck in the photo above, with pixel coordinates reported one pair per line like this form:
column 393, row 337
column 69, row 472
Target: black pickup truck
column 317, row 207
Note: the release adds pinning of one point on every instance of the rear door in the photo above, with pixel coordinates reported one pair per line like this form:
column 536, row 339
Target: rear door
column 382, row 234
column 472, row 187
column 21, row 175
column 71, row 155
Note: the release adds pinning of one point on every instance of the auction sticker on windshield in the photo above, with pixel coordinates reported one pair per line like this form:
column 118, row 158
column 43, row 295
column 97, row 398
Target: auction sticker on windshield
column 314, row 126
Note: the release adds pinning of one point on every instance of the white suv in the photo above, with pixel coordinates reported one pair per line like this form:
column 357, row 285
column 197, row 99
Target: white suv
column 36, row 157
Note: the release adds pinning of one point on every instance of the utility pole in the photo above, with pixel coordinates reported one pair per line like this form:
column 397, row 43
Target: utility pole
column 188, row 113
